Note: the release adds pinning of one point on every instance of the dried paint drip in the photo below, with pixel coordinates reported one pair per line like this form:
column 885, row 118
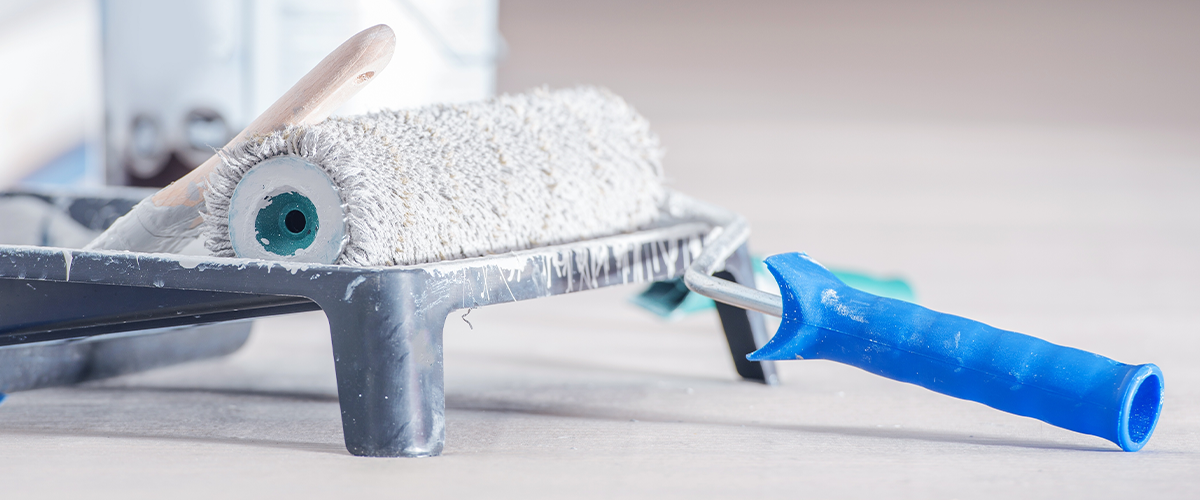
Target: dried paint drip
column 572, row 267
column 443, row 182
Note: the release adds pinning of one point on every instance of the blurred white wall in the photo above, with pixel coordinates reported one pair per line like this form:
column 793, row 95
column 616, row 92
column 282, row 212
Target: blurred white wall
column 1101, row 62
column 50, row 102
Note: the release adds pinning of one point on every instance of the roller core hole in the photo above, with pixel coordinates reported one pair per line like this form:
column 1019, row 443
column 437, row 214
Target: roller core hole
column 1143, row 411
column 295, row 221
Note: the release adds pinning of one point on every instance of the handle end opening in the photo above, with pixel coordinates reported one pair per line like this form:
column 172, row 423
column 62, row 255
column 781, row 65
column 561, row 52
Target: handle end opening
column 1141, row 406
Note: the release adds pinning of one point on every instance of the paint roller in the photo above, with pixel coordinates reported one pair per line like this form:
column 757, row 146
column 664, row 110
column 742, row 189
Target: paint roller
column 437, row 183
column 458, row 181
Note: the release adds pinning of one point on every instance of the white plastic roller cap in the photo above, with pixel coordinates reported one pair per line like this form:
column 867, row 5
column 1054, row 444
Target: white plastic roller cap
column 277, row 199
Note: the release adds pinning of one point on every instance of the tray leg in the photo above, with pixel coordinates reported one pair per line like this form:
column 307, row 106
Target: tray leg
column 745, row 330
column 387, row 352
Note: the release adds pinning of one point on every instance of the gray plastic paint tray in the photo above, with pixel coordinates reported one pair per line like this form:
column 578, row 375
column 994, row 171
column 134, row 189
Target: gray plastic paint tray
column 385, row 323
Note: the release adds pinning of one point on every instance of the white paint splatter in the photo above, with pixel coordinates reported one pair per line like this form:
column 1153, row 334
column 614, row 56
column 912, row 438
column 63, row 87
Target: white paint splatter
column 350, row 288
column 294, row 267
column 829, row 298
column 191, row 261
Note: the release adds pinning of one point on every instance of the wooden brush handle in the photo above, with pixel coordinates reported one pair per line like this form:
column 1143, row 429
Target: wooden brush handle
column 170, row 219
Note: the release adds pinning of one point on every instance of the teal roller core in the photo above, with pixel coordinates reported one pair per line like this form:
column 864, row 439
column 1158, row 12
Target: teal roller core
column 288, row 223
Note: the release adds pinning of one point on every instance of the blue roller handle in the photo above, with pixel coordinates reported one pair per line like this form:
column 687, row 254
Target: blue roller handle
column 1073, row 389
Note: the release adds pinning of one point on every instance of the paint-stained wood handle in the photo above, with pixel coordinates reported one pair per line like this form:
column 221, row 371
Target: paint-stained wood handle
column 169, row 219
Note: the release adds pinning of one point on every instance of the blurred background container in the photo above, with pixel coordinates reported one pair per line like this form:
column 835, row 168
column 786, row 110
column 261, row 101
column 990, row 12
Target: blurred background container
column 175, row 79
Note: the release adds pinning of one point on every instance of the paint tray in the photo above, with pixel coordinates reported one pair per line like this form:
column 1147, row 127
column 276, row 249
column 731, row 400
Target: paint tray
column 385, row 322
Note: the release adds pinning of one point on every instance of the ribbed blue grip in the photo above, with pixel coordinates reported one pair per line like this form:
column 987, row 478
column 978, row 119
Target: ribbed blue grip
column 1073, row 389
